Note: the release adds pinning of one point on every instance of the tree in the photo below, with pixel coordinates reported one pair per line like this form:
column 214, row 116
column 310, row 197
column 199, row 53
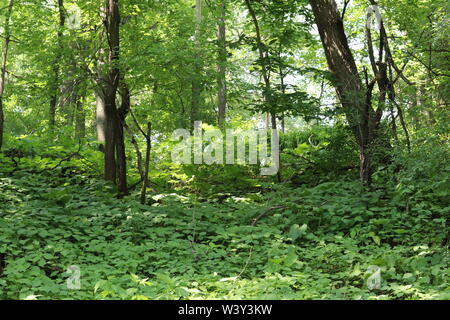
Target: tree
column 108, row 113
column 196, row 77
column 54, row 87
column 3, row 70
column 222, row 60
column 356, row 97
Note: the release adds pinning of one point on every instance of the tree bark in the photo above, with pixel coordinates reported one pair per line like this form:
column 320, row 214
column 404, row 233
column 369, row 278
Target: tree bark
column 197, row 81
column 112, row 126
column 54, row 87
column 354, row 97
column 222, row 92
column 147, row 163
column 3, row 70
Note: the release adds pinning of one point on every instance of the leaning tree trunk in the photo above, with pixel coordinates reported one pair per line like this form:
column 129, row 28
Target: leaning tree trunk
column 3, row 70
column 354, row 97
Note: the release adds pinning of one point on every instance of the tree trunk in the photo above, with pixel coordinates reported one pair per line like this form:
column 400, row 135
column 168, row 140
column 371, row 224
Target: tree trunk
column 196, row 82
column 222, row 92
column 55, row 81
column 147, row 163
column 112, row 126
column 355, row 99
column 3, row 70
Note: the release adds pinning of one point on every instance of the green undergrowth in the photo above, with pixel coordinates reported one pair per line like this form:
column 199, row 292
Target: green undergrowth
column 307, row 242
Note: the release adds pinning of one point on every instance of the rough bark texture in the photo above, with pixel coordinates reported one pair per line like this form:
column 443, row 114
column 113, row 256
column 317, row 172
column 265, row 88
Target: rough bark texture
column 111, row 119
column 354, row 97
column 222, row 92
column 340, row 60
column 3, row 70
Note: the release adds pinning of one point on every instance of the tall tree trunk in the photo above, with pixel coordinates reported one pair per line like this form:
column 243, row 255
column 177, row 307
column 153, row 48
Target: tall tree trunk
column 114, row 144
column 222, row 92
column 3, row 70
column 197, row 81
column 354, row 97
column 55, row 81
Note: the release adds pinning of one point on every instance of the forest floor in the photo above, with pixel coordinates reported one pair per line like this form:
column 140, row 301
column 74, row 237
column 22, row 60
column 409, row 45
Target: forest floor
column 306, row 243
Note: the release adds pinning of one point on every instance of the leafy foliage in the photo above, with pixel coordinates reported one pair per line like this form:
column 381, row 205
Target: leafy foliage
column 222, row 231
column 308, row 242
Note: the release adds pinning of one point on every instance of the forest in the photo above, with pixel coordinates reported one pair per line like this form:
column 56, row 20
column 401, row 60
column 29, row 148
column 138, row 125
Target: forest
column 224, row 149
